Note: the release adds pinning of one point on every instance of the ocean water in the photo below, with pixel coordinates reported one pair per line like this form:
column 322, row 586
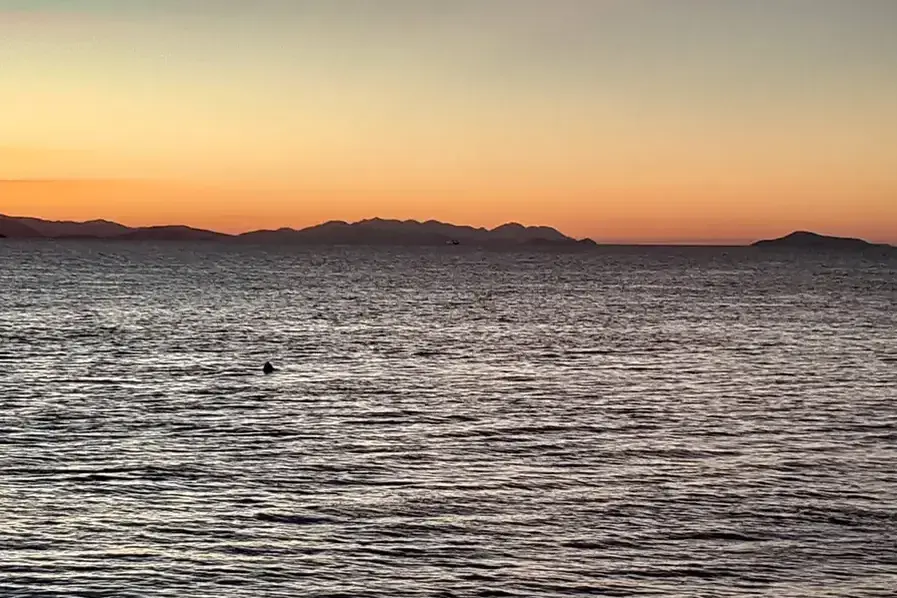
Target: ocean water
column 445, row 422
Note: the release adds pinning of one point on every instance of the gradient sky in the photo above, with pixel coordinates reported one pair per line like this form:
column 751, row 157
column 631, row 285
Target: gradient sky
column 623, row 120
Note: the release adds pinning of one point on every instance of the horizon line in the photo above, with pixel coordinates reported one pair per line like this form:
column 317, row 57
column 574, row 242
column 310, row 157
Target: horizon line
column 719, row 243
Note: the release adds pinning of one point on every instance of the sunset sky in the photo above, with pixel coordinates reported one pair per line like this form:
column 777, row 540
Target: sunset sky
column 622, row 120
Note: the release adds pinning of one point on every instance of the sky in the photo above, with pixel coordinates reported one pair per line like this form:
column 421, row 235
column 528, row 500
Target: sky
column 646, row 121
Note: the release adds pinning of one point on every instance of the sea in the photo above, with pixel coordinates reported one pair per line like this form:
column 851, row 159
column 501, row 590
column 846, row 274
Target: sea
column 445, row 422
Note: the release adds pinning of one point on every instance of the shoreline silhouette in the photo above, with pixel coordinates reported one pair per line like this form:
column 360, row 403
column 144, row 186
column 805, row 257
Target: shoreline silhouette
column 379, row 231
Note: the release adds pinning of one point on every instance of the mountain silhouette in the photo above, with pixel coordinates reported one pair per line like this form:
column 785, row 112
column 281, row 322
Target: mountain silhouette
column 810, row 240
column 171, row 233
column 373, row 231
column 378, row 231
column 69, row 229
column 15, row 228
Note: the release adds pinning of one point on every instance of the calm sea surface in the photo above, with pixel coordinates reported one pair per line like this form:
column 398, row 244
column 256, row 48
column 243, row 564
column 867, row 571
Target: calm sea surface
column 445, row 422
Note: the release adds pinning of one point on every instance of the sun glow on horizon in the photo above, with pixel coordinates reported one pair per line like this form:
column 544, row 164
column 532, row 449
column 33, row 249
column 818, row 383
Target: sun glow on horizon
column 642, row 122
column 234, row 210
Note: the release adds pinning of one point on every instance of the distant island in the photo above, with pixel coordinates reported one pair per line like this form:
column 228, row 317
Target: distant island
column 374, row 231
column 809, row 240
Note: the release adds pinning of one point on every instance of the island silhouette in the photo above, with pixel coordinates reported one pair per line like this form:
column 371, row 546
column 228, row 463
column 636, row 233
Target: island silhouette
column 808, row 240
column 372, row 231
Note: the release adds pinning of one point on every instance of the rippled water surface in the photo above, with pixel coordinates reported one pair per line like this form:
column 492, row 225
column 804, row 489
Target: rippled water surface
column 448, row 422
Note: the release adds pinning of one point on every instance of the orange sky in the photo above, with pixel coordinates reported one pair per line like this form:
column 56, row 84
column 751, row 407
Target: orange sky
column 613, row 217
column 621, row 121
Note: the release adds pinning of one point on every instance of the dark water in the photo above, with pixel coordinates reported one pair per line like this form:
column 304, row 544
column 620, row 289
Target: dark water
column 445, row 422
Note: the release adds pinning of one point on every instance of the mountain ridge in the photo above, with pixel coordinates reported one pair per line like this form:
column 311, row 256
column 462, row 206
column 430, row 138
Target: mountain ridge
column 370, row 231
column 374, row 231
column 62, row 228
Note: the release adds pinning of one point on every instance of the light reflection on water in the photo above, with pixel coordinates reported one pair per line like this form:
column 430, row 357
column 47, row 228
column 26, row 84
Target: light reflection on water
column 445, row 422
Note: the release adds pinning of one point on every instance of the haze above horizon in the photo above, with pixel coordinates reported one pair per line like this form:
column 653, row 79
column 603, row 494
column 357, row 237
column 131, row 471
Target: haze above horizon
column 645, row 121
